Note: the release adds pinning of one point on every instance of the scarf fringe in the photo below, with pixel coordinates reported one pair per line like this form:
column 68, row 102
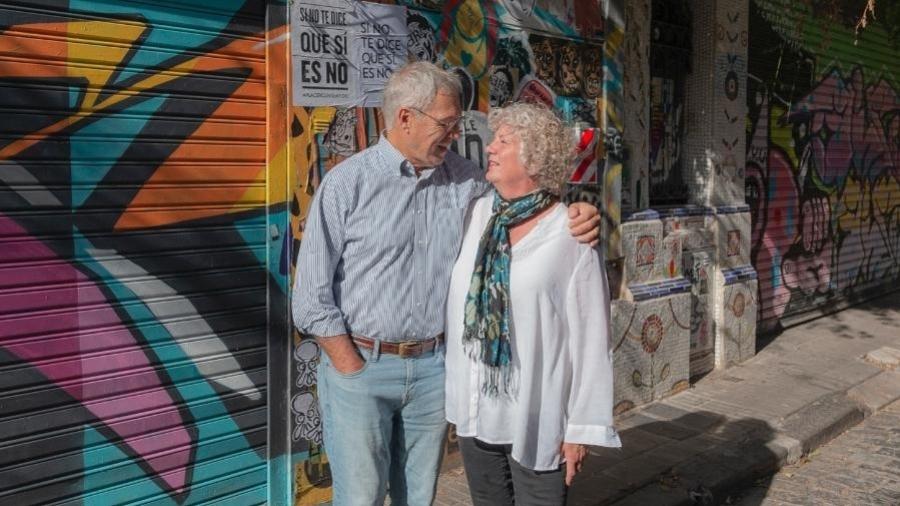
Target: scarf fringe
column 500, row 380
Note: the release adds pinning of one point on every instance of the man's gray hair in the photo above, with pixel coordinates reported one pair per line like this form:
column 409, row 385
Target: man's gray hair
column 415, row 85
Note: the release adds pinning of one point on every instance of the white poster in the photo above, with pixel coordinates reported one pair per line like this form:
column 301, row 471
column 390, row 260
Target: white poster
column 343, row 51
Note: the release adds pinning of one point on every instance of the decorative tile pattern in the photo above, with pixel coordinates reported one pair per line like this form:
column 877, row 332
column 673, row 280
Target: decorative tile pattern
column 641, row 241
column 671, row 251
column 694, row 222
column 743, row 208
column 734, row 243
column 736, row 309
column 647, row 291
column 742, row 273
column 646, row 250
column 645, row 215
column 651, row 347
column 691, row 210
column 733, row 239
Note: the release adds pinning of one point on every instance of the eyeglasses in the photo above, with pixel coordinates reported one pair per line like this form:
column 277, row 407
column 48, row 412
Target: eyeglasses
column 446, row 126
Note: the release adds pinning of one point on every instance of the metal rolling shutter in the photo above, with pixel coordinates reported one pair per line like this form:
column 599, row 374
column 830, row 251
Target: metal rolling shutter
column 822, row 163
column 133, row 252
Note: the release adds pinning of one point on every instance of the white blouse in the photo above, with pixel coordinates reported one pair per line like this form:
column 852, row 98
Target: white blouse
column 561, row 358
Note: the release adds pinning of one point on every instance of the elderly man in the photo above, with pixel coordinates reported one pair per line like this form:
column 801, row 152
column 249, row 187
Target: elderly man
column 383, row 232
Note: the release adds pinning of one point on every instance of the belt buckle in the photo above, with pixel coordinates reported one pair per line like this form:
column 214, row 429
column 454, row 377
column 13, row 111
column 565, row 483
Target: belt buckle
column 410, row 349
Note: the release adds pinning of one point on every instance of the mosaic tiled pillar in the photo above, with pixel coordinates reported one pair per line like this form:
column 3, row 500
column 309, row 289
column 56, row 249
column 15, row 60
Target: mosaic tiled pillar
column 736, row 316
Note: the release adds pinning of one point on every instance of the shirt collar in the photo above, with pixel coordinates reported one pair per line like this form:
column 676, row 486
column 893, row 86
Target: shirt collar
column 394, row 160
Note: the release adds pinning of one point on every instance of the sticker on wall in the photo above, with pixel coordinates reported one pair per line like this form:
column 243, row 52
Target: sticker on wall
column 343, row 52
column 586, row 157
column 533, row 91
column 421, row 45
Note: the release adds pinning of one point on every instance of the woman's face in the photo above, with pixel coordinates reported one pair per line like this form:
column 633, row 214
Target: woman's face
column 505, row 169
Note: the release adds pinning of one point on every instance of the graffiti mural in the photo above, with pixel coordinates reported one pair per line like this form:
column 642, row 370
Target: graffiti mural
column 823, row 159
column 134, row 231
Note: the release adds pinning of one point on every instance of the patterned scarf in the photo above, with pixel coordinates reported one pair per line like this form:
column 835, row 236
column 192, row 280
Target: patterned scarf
column 486, row 333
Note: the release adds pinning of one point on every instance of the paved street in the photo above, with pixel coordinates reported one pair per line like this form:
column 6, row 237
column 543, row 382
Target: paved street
column 861, row 467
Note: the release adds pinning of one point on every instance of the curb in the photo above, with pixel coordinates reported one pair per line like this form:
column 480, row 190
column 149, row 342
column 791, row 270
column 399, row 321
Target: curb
column 709, row 476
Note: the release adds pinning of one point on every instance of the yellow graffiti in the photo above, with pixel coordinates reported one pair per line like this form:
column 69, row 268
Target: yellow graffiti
column 886, row 194
column 312, row 482
column 854, row 211
column 97, row 62
column 468, row 40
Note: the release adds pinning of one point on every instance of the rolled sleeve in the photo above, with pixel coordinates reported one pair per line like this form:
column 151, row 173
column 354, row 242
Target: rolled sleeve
column 590, row 419
column 313, row 304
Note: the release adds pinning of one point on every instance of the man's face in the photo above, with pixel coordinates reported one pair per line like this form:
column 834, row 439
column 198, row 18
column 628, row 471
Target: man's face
column 433, row 130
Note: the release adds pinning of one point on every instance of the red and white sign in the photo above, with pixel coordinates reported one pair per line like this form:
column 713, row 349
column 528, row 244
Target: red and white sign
column 586, row 158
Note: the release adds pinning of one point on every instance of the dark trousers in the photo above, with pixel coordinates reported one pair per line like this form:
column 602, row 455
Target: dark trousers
column 495, row 479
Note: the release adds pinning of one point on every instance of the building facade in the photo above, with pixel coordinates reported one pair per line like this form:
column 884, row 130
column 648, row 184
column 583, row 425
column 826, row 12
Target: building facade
column 155, row 173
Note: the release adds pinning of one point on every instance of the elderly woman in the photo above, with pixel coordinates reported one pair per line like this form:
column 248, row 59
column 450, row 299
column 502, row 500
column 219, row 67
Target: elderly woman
column 529, row 368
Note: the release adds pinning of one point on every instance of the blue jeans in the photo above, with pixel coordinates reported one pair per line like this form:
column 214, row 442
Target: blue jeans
column 384, row 424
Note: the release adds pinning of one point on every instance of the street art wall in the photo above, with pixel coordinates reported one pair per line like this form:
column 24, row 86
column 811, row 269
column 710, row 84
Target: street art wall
column 823, row 157
column 564, row 54
column 140, row 253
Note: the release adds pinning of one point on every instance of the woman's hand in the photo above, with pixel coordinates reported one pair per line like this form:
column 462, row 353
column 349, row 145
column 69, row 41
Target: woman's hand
column 574, row 455
column 584, row 223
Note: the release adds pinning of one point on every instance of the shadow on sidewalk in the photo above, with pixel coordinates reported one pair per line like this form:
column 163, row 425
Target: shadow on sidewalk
column 671, row 456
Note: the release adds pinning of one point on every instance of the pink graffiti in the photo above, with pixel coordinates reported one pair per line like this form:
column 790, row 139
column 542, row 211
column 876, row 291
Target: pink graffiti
column 780, row 223
column 88, row 353
column 824, row 222
column 845, row 127
column 808, row 273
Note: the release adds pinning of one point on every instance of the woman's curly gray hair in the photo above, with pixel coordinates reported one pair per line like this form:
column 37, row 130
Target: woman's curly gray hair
column 547, row 145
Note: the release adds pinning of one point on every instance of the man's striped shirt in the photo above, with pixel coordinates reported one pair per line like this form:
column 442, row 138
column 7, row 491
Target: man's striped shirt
column 379, row 245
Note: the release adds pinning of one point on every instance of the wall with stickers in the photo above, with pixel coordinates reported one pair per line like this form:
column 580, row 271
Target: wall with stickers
column 823, row 156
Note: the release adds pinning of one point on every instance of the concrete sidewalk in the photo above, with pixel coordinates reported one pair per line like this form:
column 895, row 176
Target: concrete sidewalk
column 807, row 386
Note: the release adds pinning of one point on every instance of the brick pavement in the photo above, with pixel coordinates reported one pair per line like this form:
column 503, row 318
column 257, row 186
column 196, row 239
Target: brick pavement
column 860, row 467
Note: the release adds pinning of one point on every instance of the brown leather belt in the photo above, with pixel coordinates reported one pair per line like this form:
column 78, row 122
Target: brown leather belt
column 405, row 349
